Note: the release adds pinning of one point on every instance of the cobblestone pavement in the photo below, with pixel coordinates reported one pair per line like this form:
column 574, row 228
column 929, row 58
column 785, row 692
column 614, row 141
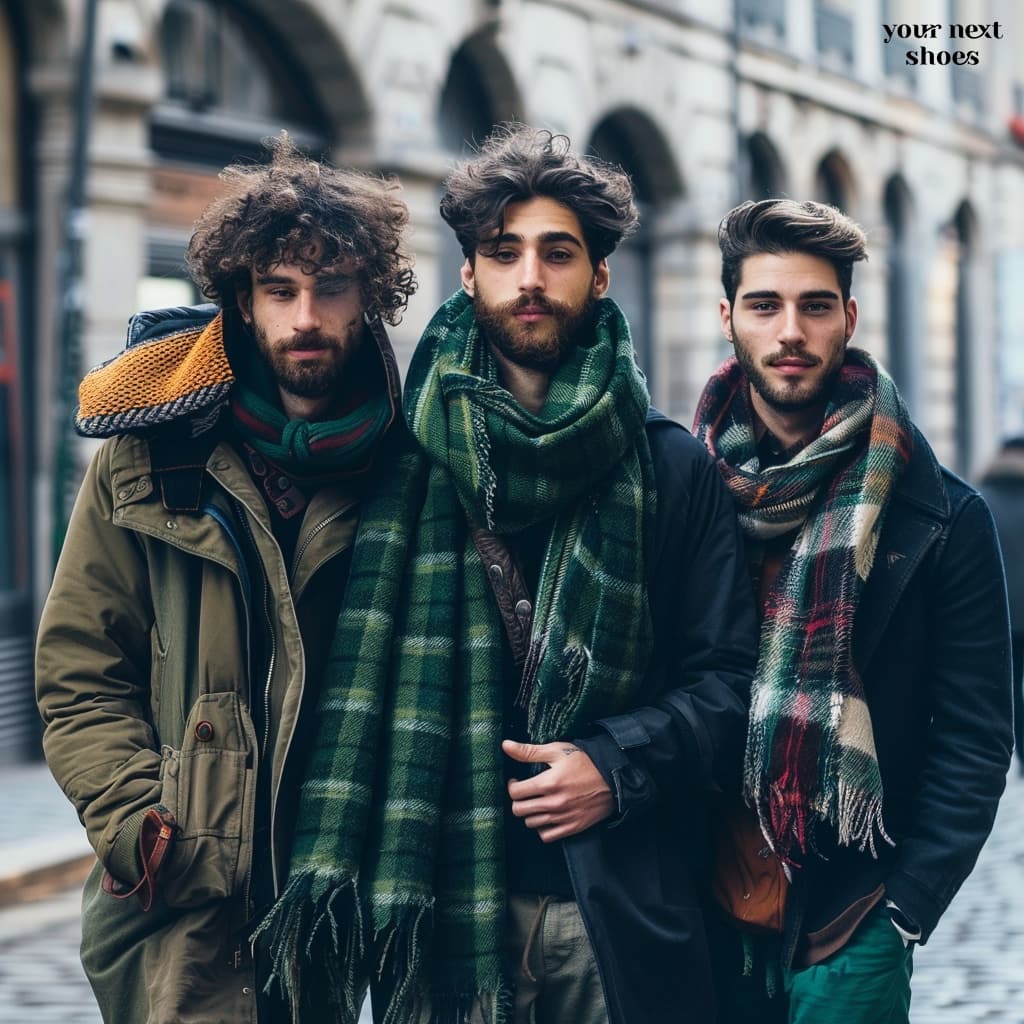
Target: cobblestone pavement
column 971, row 971
column 973, row 967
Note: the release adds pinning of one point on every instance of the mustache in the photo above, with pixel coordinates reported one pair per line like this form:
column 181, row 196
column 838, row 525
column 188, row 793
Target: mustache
column 540, row 302
column 804, row 357
column 311, row 340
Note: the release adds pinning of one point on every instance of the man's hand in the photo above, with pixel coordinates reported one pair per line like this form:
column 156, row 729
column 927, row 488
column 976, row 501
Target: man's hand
column 569, row 797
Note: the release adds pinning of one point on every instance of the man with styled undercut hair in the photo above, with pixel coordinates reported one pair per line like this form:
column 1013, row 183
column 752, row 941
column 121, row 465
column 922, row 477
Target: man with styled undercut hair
column 568, row 651
column 879, row 733
column 187, row 635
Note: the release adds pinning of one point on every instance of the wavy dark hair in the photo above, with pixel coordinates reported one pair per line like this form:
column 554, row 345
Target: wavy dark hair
column 784, row 225
column 517, row 163
column 299, row 210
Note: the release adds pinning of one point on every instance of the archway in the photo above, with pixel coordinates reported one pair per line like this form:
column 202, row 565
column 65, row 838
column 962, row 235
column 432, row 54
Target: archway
column 629, row 138
column 479, row 93
column 229, row 83
column 834, row 182
column 764, row 175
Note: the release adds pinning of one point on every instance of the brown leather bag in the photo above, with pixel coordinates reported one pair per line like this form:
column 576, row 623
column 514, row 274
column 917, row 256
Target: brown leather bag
column 748, row 880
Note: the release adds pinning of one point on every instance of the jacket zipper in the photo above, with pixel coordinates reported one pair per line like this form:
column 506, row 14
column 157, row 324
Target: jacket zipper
column 240, row 510
column 272, row 662
column 312, row 535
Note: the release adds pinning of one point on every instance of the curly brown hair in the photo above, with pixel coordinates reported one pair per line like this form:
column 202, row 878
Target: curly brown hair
column 299, row 210
column 517, row 163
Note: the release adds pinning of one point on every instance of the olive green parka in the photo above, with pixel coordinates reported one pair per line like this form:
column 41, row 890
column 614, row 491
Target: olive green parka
column 145, row 677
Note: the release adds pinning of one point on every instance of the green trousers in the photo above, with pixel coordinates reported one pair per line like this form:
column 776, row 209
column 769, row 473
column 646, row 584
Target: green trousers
column 866, row 982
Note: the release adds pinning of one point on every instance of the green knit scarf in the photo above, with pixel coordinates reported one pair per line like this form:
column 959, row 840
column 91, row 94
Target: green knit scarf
column 398, row 861
column 810, row 756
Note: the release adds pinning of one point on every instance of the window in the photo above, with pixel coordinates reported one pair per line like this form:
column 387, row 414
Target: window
column 834, row 27
column 762, row 18
column 227, row 87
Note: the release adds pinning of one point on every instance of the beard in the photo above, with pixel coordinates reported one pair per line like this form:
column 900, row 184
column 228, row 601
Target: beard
column 535, row 346
column 313, row 378
column 790, row 396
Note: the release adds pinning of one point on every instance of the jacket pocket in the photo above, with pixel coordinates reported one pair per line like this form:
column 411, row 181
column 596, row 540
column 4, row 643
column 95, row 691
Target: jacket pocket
column 206, row 786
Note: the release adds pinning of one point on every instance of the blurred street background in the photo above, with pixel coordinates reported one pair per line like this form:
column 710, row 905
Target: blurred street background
column 117, row 115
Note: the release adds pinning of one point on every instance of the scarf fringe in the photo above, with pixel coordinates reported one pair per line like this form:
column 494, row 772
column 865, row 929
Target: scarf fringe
column 762, row 951
column 328, row 915
column 496, row 1004
column 402, row 942
column 860, row 818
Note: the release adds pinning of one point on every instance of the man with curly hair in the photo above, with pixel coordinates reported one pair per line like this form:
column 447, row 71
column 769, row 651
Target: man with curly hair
column 192, row 616
column 568, row 655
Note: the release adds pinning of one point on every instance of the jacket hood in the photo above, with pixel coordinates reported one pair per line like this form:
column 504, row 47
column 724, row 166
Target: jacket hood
column 176, row 367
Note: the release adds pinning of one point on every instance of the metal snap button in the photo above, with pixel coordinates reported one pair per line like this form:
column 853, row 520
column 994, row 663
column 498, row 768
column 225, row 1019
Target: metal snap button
column 495, row 572
column 204, row 731
column 524, row 609
column 171, row 524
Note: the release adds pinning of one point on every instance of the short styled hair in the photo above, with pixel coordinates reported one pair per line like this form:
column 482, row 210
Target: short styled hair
column 517, row 163
column 784, row 225
column 299, row 210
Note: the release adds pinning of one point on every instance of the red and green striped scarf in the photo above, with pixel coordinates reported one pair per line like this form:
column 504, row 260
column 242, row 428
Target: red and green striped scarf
column 810, row 756
column 308, row 448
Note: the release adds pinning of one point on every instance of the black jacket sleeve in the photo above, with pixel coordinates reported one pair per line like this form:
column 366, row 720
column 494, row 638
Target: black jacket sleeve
column 969, row 736
column 690, row 733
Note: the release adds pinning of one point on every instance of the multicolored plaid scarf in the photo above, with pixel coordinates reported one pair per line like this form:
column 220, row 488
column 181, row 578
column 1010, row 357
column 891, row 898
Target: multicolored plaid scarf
column 398, row 860
column 810, row 747
column 345, row 444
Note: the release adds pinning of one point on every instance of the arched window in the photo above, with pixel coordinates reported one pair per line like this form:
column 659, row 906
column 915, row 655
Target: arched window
column 229, row 83
column 833, row 182
column 765, row 178
column 629, row 139
column 466, row 116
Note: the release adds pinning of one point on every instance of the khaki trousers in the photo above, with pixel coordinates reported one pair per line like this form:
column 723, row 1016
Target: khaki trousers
column 553, row 965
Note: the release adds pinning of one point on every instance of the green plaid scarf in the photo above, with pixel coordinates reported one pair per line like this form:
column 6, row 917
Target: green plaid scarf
column 398, row 859
column 810, row 748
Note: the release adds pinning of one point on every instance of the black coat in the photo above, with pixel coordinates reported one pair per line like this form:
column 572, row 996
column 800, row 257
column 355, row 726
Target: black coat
column 636, row 877
column 932, row 644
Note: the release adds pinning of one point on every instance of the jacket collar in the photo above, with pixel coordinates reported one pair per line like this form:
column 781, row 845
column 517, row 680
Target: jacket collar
column 921, row 483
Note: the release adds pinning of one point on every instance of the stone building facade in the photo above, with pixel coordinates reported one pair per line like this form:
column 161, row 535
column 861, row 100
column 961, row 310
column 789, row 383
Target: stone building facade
column 704, row 102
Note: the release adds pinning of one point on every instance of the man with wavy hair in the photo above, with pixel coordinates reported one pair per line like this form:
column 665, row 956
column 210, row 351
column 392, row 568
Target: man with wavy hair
column 879, row 732
column 564, row 626
column 187, row 635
